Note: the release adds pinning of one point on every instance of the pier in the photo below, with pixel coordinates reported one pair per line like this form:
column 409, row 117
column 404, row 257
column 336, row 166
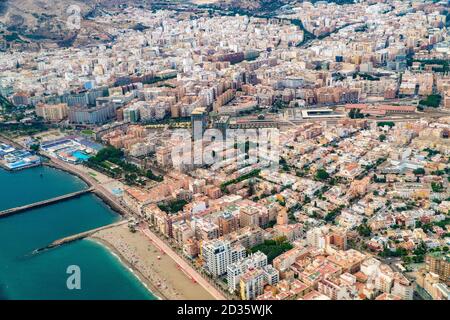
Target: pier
column 12, row 211
column 79, row 236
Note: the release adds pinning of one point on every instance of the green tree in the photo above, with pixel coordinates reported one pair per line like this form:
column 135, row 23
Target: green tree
column 273, row 248
column 321, row 174
column 110, row 153
column 432, row 101
column 149, row 174
column 355, row 114
column 364, row 230
column 437, row 187
column 386, row 123
column 130, row 178
column 34, row 147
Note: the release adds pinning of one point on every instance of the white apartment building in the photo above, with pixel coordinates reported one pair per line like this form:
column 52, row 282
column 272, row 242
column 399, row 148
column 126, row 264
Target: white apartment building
column 317, row 237
column 235, row 270
column 403, row 287
column 218, row 255
column 252, row 284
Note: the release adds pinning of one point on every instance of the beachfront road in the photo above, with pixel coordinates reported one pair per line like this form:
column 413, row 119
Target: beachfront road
column 183, row 264
column 191, row 272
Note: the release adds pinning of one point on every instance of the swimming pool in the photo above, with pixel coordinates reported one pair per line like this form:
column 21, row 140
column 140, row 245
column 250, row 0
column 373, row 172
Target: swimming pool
column 80, row 155
column 17, row 164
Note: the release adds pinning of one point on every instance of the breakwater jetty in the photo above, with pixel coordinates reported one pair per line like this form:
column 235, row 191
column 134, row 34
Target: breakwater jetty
column 43, row 203
column 79, row 236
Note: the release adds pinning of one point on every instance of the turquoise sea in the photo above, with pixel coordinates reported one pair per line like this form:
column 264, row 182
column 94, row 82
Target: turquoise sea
column 24, row 275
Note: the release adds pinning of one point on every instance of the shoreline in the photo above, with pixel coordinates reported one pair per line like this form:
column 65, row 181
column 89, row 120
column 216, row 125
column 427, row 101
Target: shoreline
column 151, row 288
column 107, row 245
column 155, row 269
column 119, row 210
column 158, row 272
column 53, row 165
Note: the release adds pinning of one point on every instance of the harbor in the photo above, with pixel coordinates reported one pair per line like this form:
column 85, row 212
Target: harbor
column 57, row 156
column 25, row 274
column 155, row 269
column 142, row 256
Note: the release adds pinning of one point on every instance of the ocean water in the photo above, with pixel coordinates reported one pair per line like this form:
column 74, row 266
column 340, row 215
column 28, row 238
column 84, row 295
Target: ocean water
column 35, row 184
column 27, row 275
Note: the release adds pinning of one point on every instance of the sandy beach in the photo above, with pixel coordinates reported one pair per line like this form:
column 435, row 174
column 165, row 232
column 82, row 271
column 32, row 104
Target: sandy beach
column 159, row 273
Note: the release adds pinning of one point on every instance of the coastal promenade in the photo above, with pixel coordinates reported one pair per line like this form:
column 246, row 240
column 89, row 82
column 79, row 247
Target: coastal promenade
column 97, row 187
column 9, row 212
column 114, row 202
column 188, row 270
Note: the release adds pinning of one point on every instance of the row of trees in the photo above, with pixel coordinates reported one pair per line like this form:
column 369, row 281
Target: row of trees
column 110, row 155
column 246, row 176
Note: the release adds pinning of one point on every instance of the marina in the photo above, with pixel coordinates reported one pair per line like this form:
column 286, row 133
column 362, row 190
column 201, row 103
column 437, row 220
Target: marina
column 14, row 159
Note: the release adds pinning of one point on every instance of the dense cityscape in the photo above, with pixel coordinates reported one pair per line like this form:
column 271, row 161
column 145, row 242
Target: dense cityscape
column 298, row 152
